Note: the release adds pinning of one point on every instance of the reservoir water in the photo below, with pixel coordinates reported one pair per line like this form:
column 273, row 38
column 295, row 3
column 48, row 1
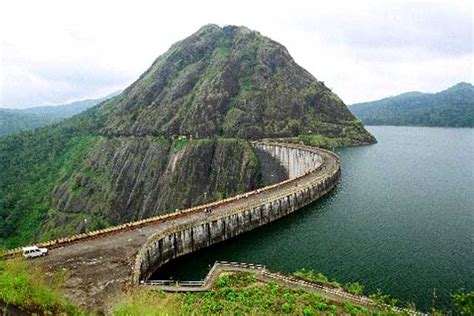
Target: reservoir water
column 401, row 220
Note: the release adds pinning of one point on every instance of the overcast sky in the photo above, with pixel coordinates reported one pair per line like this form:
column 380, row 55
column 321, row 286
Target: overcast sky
column 53, row 52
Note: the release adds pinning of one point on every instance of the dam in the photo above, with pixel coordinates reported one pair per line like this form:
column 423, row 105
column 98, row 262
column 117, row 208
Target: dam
column 99, row 264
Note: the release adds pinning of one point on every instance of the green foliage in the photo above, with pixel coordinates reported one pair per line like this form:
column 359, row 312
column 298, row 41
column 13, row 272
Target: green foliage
column 13, row 121
column 179, row 144
column 337, row 135
column 146, row 303
column 25, row 287
column 380, row 299
column 320, row 278
column 32, row 163
column 355, row 309
column 354, row 288
column 230, row 82
column 240, row 294
column 463, row 302
column 453, row 107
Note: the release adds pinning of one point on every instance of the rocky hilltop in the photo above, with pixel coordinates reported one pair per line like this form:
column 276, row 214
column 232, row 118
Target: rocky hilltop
column 229, row 81
column 176, row 137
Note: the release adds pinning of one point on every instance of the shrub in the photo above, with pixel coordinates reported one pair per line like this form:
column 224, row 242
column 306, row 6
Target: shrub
column 354, row 288
column 25, row 287
column 463, row 302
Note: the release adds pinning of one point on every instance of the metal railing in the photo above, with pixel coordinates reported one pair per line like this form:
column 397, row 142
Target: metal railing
column 262, row 270
column 217, row 264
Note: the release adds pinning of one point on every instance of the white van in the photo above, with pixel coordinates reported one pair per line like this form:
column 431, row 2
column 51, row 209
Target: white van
column 33, row 252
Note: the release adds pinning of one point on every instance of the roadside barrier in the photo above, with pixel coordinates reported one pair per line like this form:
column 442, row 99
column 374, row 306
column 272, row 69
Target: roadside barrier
column 259, row 269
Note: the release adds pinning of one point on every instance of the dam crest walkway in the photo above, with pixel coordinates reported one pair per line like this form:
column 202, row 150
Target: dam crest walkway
column 100, row 264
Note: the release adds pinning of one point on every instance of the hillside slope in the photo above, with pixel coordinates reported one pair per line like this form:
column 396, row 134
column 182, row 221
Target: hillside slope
column 230, row 81
column 121, row 160
column 14, row 120
column 453, row 107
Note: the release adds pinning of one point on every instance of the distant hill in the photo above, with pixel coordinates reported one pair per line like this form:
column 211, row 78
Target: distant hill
column 13, row 121
column 453, row 107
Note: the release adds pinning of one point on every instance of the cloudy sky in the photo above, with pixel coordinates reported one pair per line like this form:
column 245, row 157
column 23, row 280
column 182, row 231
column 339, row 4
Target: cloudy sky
column 53, row 52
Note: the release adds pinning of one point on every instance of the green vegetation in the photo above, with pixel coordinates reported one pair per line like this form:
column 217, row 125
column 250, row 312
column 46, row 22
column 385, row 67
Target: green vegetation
column 13, row 121
column 381, row 300
column 453, row 107
column 231, row 82
column 354, row 287
column 179, row 144
column 236, row 294
column 62, row 181
column 77, row 175
column 316, row 278
column 319, row 278
column 335, row 135
column 25, row 287
column 32, row 163
column 463, row 302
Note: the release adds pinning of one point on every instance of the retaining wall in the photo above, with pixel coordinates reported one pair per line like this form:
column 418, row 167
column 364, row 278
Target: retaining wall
column 296, row 161
column 301, row 162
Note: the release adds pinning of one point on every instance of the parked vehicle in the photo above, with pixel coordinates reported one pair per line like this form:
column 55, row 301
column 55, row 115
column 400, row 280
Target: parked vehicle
column 34, row 251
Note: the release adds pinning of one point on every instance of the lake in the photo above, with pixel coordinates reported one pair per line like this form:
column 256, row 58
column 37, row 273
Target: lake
column 401, row 220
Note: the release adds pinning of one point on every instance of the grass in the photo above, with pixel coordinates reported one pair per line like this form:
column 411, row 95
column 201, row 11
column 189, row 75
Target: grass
column 237, row 294
column 26, row 288
column 146, row 303
column 179, row 145
column 318, row 277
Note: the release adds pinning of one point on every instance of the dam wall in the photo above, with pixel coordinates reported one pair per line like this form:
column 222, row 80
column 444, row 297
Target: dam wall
column 296, row 162
column 313, row 173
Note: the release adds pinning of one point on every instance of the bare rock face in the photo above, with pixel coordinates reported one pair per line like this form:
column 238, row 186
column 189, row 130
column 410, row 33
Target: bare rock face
column 130, row 178
column 229, row 81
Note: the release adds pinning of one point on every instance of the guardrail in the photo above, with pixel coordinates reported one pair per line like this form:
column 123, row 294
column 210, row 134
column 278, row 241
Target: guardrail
column 339, row 292
column 241, row 265
column 262, row 270
column 217, row 264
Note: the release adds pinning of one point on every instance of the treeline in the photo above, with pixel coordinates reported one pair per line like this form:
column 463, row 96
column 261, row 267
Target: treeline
column 32, row 162
column 453, row 107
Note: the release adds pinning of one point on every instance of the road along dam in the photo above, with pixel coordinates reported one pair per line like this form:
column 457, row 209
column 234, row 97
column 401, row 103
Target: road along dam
column 101, row 263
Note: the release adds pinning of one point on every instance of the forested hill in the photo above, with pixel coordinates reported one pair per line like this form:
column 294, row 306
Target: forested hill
column 13, row 121
column 133, row 156
column 453, row 107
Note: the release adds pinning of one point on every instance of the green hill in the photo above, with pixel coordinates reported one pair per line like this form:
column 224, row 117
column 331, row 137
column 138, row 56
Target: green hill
column 453, row 107
column 13, row 121
column 119, row 161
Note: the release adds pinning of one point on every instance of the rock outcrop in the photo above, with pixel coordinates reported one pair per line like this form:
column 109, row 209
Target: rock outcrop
column 229, row 81
column 125, row 179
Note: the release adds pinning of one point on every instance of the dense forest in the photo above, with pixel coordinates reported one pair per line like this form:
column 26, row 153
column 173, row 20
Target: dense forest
column 15, row 120
column 453, row 107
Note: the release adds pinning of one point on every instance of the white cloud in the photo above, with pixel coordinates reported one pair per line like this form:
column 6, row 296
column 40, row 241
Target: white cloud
column 56, row 51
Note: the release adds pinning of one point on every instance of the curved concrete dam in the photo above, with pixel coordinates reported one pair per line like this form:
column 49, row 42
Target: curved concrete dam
column 100, row 263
